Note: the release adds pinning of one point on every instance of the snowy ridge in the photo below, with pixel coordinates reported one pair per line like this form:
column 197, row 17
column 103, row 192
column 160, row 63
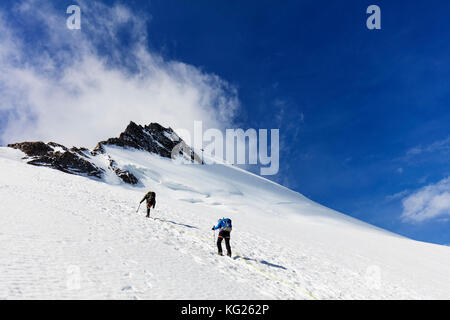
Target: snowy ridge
column 96, row 164
column 285, row 246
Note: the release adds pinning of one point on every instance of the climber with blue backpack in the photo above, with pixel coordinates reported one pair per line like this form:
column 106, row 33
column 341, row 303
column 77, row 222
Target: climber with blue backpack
column 224, row 226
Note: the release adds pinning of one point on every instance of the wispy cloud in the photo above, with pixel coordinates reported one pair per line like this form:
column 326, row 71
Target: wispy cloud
column 81, row 86
column 430, row 202
column 437, row 146
column 397, row 196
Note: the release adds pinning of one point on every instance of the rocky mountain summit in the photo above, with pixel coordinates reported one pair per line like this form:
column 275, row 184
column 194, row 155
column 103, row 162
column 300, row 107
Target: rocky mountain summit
column 152, row 138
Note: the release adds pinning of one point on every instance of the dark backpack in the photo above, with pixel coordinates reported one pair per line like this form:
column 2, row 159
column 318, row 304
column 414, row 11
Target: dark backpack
column 151, row 197
column 228, row 227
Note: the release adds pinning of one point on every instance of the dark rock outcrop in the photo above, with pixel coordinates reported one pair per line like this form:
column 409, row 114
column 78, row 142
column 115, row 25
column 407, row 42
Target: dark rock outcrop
column 32, row 149
column 153, row 138
column 58, row 157
column 125, row 175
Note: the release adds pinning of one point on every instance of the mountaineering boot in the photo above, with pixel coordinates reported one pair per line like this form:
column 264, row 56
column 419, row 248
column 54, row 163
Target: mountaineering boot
column 220, row 253
column 229, row 254
column 148, row 216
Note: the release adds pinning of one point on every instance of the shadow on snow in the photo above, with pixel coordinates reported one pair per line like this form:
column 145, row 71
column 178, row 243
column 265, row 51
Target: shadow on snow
column 176, row 223
column 262, row 262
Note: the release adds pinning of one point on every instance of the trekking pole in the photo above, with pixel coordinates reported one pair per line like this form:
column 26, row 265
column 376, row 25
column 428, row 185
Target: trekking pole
column 138, row 208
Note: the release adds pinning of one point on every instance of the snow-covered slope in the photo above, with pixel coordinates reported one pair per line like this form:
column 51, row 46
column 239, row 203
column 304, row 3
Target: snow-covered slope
column 67, row 236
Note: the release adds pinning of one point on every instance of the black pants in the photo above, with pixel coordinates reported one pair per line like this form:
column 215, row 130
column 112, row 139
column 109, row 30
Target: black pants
column 149, row 205
column 224, row 235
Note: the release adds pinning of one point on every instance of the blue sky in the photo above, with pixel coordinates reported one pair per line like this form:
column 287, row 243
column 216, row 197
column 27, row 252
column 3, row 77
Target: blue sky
column 363, row 114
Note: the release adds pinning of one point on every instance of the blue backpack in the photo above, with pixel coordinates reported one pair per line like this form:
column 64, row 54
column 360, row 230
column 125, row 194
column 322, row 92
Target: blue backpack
column 228, row 227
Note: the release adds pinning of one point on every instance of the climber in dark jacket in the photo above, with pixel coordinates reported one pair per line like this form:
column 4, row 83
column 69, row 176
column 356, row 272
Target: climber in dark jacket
column 224, row 225
column 151, row 201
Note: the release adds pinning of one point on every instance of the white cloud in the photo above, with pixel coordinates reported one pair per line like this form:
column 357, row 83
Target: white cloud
column 396, row 196
column 437, row 146
column 430, row 202
column 80, row 86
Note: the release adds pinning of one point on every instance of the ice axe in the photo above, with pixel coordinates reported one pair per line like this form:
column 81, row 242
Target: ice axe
column 138, row 208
